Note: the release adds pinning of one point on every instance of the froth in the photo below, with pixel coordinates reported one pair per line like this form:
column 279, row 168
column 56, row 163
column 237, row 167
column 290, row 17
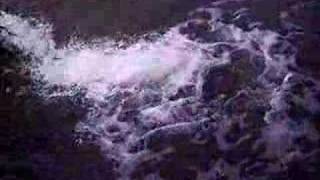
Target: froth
column 171, row 60
column 30, row 35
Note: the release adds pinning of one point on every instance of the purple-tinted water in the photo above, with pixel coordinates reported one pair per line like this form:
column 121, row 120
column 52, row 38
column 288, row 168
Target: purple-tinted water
column 206, row 90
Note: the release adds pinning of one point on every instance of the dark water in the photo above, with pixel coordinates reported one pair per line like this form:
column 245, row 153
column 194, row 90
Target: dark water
column 96, row 18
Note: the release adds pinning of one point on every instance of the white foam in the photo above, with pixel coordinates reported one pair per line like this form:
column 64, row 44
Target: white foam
column 33, row 37
column 172, row 60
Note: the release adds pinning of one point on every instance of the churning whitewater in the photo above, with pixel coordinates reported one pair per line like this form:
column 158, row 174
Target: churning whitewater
column 186, row 87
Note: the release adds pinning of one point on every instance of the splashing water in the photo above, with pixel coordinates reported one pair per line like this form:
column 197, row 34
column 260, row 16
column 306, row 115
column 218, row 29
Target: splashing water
column 160, row 83
column 172, row 61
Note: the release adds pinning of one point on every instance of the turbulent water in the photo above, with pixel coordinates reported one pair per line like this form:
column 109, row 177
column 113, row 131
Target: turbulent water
column 207, row 99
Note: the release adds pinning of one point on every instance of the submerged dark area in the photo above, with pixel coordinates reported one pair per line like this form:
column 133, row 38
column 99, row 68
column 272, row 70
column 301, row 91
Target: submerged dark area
column 96, row 18
column 38, row 137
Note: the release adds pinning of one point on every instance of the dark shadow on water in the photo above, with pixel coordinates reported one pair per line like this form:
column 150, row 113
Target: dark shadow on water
column 96, row 18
